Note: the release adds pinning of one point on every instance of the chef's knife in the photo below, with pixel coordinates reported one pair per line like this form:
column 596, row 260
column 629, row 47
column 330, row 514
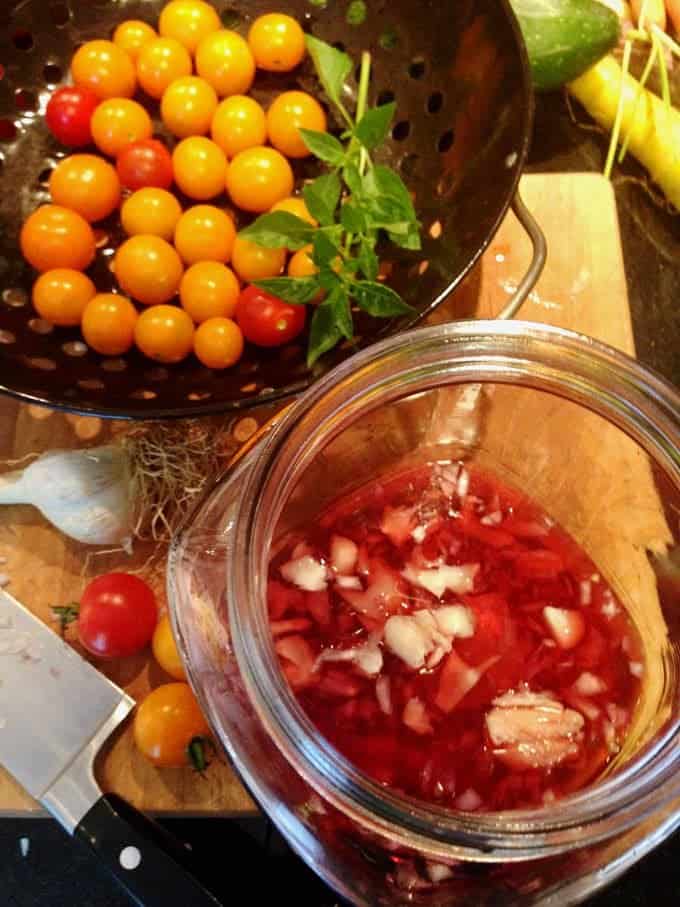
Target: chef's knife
column 56, row 711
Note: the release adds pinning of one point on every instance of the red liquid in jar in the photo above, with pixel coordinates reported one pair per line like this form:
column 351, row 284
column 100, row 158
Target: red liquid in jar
column 454, row 643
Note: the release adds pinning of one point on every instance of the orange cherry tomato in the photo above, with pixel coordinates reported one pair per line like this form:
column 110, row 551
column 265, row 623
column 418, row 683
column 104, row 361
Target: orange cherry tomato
column 151, row 211
column 60, row 296
column 108, row 324
column 253, row 262
column 224, row 59
column 290, row 112
column 117, row 123
column 218, row 343
column 164, row 333
column 188, row 21
column 200, row 168
column 295, row 205
column 301, row 264
column 277, row 42
column 105, row 69
column 160, row 62
column 148, row 269
column 239, row 123
column 209, row 290
column 87, row 184
column 165, row 651
column 55, row 237
column 132, row 35
column 188, row 106
column 204, row 233
column 165, row 724
column 258, row 178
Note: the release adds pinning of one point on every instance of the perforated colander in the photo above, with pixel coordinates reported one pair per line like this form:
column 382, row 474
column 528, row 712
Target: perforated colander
column 459, row 75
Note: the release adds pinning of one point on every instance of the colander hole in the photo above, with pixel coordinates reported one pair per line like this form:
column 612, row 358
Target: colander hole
column 435, row 102
column 101, row 237
column 15, row 297
column 157, row 374
column 8, row 130
column 231, row 18
column 435, row 230
column 422, row 267
column 59, row 14
column 42, row 363
column 249, row 388
column 52, row 73
column 401, row 131
column 40, row 326
column 44, row 177
column 25, row 100
column 7, row 337
column 22, row 39
column 386, row 96
column 386, row 268
column 245, row 428
column 338, row 45
column 114, row 365
column 417, row 68
column 445, row 141
column 91, row 384
column 408, row 164
column 74, row 348
column 247, row 368
column 199, row 395
column 143, row 394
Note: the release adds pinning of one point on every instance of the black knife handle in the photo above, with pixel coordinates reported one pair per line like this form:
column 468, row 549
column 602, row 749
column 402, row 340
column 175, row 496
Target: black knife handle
column 149, row 863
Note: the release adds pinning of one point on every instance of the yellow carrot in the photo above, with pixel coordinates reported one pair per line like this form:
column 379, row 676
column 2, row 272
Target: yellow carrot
column 652, row 128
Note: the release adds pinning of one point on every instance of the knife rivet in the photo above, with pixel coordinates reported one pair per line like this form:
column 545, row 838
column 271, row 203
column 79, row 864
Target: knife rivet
column 130, row 857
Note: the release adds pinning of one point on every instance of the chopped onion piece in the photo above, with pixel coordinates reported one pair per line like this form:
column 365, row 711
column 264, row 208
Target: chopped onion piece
column 459, row 580
column 416, row 718
column 343, row 554
column 406, row 639
column 455, row 620
column 419, row 533
column 492, row 519
column 469, row 800
column 589, row 685
column 585, row 588
column 306, row 573
column 438, row 872
column 636, row 668
column 348, row 582
column 383, row 693
column 463, row 483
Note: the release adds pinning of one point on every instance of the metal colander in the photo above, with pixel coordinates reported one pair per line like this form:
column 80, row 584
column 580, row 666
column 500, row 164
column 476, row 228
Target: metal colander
column 459, row 75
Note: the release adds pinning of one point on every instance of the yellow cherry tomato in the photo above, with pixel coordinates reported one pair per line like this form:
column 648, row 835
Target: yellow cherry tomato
column 188, row 21
column 55, row 237
column 105, row 69
column 301, row 264
column 160, row 62
column 239, row 123
column 60, row 296
column 224, row 59
column 218, row 343
column 151, row 211
column 295, row 205
column 108, row 324
column 165, row 724
column 188, row 106
column 258, row 178
column 132, row 35
column 164, row 649
column 209, row 290
column 87, row 184
column 204, row 233
column 277, row 42
column 200, row 168
column 148, row 269
column 164, row 333
column 253, row 262
column 290, row 112
column 117, row 123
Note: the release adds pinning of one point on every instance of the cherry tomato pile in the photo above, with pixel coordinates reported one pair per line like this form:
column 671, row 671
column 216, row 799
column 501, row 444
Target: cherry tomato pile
column 179, row 272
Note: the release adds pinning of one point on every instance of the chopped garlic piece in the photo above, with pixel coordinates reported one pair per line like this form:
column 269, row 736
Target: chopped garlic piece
column 306, row 573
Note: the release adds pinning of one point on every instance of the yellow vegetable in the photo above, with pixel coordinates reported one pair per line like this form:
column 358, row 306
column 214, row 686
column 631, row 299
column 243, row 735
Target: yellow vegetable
column 654, row 128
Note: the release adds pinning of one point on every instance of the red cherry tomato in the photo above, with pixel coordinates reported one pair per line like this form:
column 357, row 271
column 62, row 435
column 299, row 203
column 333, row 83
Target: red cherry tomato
column 145, row 163
column 266, row 320
column 118, row 615
column 68, row 115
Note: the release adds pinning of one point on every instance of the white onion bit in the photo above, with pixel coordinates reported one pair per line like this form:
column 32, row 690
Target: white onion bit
column 469, row 800
column 636, row 668
column 586, row 591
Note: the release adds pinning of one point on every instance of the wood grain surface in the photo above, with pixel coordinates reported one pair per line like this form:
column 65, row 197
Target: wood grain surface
column 583, row 287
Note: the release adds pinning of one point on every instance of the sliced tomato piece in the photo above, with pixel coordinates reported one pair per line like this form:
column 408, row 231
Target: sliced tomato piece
column 456, row 679
column 319, row 606
column 336, row 682
column 281, row 599
column 398, row 523
column 299, row 660
column 382, row 597
column 525, row 529
column 295, row 625
column 539, row 564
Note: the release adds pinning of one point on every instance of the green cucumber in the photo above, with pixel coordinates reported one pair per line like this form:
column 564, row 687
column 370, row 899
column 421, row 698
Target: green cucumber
column 565, row 37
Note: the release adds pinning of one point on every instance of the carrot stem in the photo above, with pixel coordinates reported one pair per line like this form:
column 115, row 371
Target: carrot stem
column 663, row 72
column 614, row 141
column 638, row 94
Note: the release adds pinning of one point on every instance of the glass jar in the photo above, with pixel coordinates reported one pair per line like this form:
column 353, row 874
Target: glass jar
column 588, row 434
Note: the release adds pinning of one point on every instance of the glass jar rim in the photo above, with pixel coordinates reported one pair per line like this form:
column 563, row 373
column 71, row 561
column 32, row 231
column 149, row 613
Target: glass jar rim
column 547, row 358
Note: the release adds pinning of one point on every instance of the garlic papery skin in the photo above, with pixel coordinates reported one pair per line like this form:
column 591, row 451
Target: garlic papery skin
column 84, row 493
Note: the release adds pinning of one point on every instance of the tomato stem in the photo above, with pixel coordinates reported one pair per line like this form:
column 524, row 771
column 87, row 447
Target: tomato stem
column 65, row 615
column 199, row 750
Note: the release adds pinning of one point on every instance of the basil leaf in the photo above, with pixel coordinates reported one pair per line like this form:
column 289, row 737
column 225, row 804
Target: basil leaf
column 356, row 12
column 352, row 218
column 324, row 146
column 322, row 196
column 352, row 179
column 406, row 240
column 296, row 290
column 324, row 333
column 332, row 67
column 328, row 279
column 338, row 301
column 379, row 300
column 368, row 260
column 324, row 251
column 383, row 181
column 279, row 230
column 372, row 128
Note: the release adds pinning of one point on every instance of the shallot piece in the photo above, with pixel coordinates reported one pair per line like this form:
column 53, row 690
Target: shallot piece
column 533, row 730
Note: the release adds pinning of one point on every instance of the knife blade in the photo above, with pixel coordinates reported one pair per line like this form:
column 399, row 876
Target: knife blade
column 56, row 710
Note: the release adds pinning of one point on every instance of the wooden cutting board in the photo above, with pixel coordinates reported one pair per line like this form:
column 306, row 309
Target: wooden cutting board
column 583, row 287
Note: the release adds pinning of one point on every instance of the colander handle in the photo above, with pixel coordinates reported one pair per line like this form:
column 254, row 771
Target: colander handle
column 528, row 282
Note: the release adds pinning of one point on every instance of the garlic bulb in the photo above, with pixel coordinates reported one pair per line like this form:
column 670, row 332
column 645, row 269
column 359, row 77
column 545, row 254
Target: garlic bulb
column 84, row 493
